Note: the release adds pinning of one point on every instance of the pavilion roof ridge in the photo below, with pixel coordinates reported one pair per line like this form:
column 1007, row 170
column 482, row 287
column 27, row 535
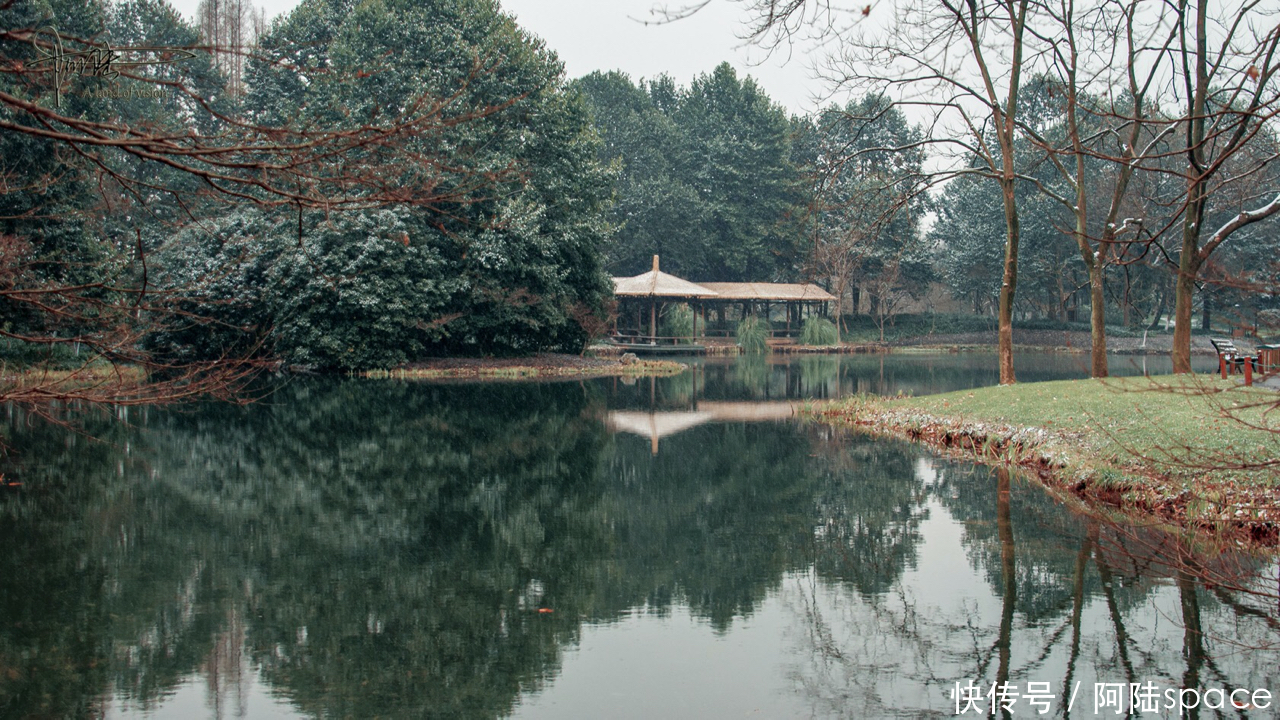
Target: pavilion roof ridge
column 656, row 283
column 805, row 292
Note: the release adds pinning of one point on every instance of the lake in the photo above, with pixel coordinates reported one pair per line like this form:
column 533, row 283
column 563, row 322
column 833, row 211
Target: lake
column 679, row 547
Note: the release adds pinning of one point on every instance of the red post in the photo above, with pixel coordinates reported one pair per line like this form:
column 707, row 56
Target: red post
column 1248, row 371
column 1222, row 366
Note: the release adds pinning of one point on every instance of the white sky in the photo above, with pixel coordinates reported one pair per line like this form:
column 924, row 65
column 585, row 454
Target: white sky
column 611, row 35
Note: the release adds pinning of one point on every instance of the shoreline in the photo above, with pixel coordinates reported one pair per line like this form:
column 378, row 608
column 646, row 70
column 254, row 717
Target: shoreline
column 1062, row 461
column 543, row 366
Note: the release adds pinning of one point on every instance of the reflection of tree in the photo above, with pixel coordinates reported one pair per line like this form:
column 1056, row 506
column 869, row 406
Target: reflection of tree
column 869, row 510
column 402, row 539
column 713, row 520
column 408, row 550
column 755, row 374
column 1047, row 545
column 82, row 609
column 1055, row 599
column 389, row 545
column 387, row 548
column 1008, row 577
column 1117, row 621
column 51, row 639
column 1192, row 633
column 1077, row 610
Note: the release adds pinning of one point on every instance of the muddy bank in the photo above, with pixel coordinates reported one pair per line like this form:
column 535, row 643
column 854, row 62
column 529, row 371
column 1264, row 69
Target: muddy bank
column 1143, row 495
column 534, row 367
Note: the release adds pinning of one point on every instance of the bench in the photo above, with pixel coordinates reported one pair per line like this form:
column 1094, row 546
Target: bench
column 1269, row 358
column 1231, row 359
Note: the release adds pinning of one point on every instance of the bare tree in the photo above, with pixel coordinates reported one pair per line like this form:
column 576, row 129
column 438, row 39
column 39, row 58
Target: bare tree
column 230, row 27
column 1224, row 70
column 961, row 64
column 1105, row 58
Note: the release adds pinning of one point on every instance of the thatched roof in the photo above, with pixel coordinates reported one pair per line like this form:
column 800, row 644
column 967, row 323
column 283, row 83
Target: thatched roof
column 803, row 292
column 656, row 283
column 659, row 284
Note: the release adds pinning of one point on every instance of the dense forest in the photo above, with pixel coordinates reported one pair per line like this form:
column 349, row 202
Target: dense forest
column 355, row 185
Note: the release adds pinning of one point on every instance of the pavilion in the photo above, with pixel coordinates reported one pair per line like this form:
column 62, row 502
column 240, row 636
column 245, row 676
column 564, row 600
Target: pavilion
column 655, row 288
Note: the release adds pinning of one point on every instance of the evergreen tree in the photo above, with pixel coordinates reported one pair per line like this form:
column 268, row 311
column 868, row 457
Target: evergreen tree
column 502, row 259
column 707, row 177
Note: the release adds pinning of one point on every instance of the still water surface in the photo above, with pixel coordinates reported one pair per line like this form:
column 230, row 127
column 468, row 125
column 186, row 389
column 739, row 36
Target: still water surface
column 592, row 549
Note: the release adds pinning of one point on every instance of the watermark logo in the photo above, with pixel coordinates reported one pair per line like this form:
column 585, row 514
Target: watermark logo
column 1130, row 699
column 99, row 61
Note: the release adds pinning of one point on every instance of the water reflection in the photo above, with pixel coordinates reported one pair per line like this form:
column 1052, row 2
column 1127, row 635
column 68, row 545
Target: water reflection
column 779, row 376
column 408, row 550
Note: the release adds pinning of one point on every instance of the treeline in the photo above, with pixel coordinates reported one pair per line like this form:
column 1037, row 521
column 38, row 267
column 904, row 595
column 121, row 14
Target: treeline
column 725, row 186
column 1106, row 162
column 1138, row 129
column 716, row 179
column 360, row 185
column 709, row 176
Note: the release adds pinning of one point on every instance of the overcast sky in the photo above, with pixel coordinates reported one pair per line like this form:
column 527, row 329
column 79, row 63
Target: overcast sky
column 611, row 35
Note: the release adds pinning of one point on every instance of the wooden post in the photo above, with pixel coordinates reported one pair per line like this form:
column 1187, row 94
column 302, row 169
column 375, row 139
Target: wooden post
column 1222, row 366
column 1248, row 371
column 653, row 307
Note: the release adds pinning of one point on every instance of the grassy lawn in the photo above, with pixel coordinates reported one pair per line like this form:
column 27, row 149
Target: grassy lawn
column 1192, row 448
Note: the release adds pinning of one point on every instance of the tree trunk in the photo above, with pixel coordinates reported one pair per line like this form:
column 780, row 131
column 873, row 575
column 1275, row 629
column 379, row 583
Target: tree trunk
column 840, row 326
column 1184, row 292
column 1189, row 261
column 1060, row 309
column 1162, row 295
column 1127, row 302
column 1097, row 321
column 1008, row 284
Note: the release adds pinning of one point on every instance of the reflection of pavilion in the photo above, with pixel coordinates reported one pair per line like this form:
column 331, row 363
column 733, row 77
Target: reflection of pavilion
column 659, row 424
column 643, row 298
